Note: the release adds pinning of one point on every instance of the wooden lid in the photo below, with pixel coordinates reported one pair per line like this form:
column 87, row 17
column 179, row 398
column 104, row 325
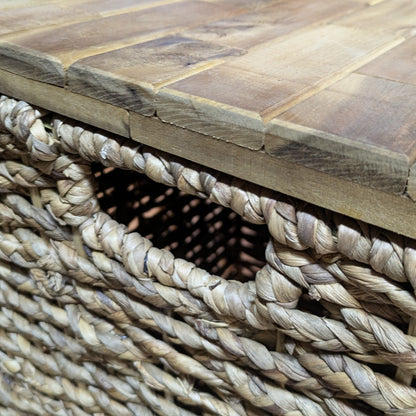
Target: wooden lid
column 313, row 98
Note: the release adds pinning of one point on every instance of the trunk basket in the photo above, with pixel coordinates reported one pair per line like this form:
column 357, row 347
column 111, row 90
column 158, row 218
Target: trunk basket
column 133, row 282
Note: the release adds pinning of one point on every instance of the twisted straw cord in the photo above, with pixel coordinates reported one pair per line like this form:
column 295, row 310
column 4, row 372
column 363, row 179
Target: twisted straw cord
column 243, row 343
column 387, row 253
column 321, row 278
column 24, row 371
column 40, row 243
column 53, row 201
column 183, row 364
column 398, row 274
column 347, row 339
column 245, row 199
column 350, row 376
column 156, row 402
column 277, row 366
column 144, row 339
column 104, row 337
column 140, row 259
column 23, row 398
column 89, row 299
column 239, row 344
column 8, row 148
column 368, row 333
column 258, row 354
column 362, row 288
column 226, row 298
column 142, row 251
column 78, row 344
column 318, row 330
column 54, row 338
column 28, row 250
column 14, row 174
column 18, row 212
column 298, row 229
column 377, row 333
column 19, row 117
column 281, row 280
column 371, row 280
column 175, row 387
column 57, row 365
column 75, row 182
column 12, row 412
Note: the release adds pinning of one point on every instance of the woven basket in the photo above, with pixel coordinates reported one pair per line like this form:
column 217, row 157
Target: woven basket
column 136, row 283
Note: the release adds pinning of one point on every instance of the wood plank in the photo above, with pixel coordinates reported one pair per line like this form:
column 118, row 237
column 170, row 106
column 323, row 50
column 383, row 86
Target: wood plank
column 128, row 77
column 270, row 22
column 315, row 58
column 396, row 213
column 237, row 94
column 33, row 16
column 69, row 43
column 397, row 64
column 67, row 103
column 388, row 16
column 369, row 2
column 336, row 138
column 216, row 104
column 32, row 64
column 365, row 109
column 39, row 14
column 248, row 4
column 15, row 4
column 361, row 128
column 111, row 7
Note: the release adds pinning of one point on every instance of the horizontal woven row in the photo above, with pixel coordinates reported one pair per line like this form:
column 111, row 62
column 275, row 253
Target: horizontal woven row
column 136, row 283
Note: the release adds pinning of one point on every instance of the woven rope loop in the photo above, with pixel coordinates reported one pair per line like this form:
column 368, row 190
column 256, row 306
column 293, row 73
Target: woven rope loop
column 172, row 289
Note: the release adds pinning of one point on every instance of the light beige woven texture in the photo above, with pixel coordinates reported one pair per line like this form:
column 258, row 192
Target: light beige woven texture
column 95, row 320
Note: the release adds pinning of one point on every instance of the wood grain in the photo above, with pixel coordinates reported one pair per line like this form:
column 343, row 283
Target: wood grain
column 366, row 111
column 312, row 98
column 337, row 156
column 67, row 103
column 311, row 60
column 247, row 4
column 34, row 16
column 69, row 43
column 369, row 2
column 32, row 64
column 265, row 23
column 388, row 16
column 219, row 121
column 41, row 14
column 14, row 4
column 397, row 64
column 128, row 77
column 110, row 7
column 393, row 212
column 216, row 104
column 254, row 87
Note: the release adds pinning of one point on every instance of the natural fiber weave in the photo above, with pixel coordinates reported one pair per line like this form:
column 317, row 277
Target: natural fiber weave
column 106, row 308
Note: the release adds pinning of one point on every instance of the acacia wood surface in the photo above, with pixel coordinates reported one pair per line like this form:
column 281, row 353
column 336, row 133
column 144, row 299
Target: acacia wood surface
column 320, row 89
